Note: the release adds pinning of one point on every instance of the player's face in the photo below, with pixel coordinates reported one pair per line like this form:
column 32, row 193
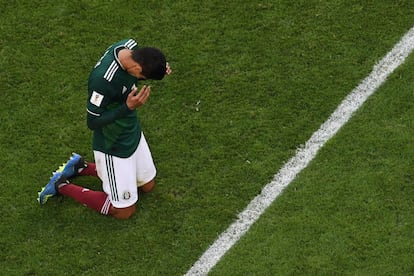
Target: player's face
column 136, row 71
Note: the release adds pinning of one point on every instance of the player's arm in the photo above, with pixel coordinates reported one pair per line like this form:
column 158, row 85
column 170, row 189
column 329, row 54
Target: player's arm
column 98, row 113
column 99, row 120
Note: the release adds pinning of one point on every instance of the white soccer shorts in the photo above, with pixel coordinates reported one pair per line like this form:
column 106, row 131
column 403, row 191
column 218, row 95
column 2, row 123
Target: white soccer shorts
column 121, row 177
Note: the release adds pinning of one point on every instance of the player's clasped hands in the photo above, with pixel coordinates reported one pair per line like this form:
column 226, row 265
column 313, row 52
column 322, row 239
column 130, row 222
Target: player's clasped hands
column 135, row 99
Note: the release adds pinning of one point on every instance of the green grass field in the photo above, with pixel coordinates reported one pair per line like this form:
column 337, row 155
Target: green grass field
column 252, row 81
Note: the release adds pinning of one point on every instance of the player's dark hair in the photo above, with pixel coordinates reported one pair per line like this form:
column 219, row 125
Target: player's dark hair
column 152, row 61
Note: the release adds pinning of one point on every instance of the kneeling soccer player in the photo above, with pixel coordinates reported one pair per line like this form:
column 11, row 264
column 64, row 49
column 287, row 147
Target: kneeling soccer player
column 123, row 159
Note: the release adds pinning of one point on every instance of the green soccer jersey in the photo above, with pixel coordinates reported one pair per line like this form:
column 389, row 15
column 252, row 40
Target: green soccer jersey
column 116, row 128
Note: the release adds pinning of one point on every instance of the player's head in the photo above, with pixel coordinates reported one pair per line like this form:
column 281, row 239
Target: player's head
column 152, row 61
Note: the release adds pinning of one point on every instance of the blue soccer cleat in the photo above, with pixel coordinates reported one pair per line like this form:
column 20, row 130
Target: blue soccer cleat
column 51, row 188
column 74, row 165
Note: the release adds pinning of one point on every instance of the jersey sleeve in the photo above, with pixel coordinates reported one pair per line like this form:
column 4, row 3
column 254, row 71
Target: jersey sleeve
column 100, row 111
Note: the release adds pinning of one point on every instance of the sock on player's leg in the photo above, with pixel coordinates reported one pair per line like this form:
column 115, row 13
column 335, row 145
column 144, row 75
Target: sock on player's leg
column 90, row 170
column 96, row 200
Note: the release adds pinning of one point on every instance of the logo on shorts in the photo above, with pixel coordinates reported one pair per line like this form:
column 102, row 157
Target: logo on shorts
column 127, row 195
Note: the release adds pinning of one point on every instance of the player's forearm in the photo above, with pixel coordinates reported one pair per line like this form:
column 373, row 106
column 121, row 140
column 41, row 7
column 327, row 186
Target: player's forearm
column 99, row 120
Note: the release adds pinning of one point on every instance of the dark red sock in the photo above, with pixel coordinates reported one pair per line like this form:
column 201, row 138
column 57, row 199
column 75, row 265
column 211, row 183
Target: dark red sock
column 95, row 200
column 90, row 170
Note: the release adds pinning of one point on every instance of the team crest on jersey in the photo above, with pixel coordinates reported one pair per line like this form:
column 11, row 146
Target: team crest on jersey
column 96, row 98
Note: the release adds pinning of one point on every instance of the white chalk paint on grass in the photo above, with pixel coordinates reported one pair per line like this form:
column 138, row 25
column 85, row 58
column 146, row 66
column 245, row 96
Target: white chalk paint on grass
column 304, row 155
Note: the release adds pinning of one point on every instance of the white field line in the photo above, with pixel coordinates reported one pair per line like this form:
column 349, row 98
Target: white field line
column 304, row 155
